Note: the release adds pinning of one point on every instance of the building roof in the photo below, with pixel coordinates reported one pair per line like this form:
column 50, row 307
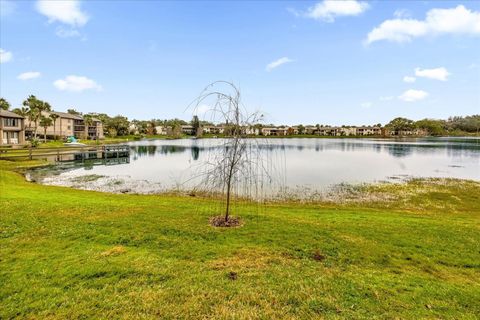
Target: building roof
column 9, row 114
column 68, row 115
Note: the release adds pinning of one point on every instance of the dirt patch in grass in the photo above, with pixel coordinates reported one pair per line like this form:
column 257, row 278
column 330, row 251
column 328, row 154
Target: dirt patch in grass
column 248, row 260
column 318, row 256
column 232, row 275
column 115, row 251
column 219, row 221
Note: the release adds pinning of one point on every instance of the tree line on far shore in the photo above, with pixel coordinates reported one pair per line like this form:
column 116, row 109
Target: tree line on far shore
column 120, row 125
column 438, row 127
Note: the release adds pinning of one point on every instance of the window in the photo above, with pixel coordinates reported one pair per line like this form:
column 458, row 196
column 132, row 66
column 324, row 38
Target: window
column 10, row 122
column 69, row 127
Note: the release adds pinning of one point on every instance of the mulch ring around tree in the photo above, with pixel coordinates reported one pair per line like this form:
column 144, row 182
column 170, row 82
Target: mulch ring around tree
column 219, row 221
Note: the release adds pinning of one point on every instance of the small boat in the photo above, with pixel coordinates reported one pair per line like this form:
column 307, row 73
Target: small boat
column 72, row 142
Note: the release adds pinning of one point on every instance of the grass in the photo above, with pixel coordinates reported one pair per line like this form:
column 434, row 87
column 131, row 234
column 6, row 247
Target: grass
column 68, row 253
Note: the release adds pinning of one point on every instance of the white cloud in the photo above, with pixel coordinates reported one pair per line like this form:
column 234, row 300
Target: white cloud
column 366, row 105
column 328, row 10
column 5, row 56
column 402, row 13
column 277, row 63
column 413, row 95
column 67, row 33
column 28, row 75
column 436, row 74
column 409, row 79
column 64, row 11
column 76, row 84
column 458, row 20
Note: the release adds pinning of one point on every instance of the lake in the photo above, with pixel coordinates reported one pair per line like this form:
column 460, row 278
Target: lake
column 314, row 164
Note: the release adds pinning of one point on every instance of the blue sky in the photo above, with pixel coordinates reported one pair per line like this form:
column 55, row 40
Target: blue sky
column 343, row 63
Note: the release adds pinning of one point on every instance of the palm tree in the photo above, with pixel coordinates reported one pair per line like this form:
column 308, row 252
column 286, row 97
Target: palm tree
column 87, row 121
column 36, row 107
column 54, row 118
column 23, row 111
column 4, row 104
column 45, row 122
column 33, row 116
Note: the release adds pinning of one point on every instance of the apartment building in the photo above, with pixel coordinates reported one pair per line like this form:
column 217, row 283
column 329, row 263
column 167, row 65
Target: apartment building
column 12, row 128
column 66, row 125
column 369, row 131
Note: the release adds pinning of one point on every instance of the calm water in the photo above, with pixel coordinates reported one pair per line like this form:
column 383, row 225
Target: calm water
column 316, row 163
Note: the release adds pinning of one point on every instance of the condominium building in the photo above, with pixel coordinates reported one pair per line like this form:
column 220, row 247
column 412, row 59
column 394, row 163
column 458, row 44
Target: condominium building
column 66, row 125
column 12, row 128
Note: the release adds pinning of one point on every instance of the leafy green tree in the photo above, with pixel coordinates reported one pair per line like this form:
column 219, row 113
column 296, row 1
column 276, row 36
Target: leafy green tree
column 4, row 104
column 195, row 123
column 466, row 124
column 431, row 126
column 176, row 121
column 45, row 122
column 151, row 128
column 401, row 124
column 301, row 129
column 73, row 111
column 117, row 125
column 177, row 130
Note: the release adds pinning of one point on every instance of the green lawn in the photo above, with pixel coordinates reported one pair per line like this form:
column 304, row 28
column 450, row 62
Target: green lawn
column 67, row 253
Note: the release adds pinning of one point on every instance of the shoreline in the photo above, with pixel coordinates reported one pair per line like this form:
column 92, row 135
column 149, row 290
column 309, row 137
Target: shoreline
column 128, row 139
column 338, row 193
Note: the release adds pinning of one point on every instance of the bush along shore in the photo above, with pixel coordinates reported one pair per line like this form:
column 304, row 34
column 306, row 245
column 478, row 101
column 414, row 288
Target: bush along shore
column 394, row 250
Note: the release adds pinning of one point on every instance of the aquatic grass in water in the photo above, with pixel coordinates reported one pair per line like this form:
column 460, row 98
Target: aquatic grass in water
column 86, row 178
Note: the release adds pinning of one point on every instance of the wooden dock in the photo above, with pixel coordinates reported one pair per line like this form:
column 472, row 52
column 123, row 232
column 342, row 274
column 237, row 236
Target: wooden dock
column 66, row 153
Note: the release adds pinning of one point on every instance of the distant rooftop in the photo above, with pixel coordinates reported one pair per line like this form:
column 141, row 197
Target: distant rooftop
column 68, row 115
column 9, row 114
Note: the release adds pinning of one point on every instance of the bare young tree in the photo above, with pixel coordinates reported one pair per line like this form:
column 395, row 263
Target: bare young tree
column 236, row 160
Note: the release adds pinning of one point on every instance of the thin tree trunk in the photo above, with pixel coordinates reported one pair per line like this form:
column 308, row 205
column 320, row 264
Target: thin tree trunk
column 36, row 127
column 45, row 134
column 230, row 175
column 227, row 209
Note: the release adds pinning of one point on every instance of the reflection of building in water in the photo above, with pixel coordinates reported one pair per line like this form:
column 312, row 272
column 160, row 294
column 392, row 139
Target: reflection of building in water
column 89, row 164
column 149, row 150
column 393, row 148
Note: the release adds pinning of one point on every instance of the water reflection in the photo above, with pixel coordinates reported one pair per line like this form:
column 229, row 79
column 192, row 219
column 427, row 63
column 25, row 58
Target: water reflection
column 399, row 151
column 400, row 148
column 195, row 153
column 304, row 162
